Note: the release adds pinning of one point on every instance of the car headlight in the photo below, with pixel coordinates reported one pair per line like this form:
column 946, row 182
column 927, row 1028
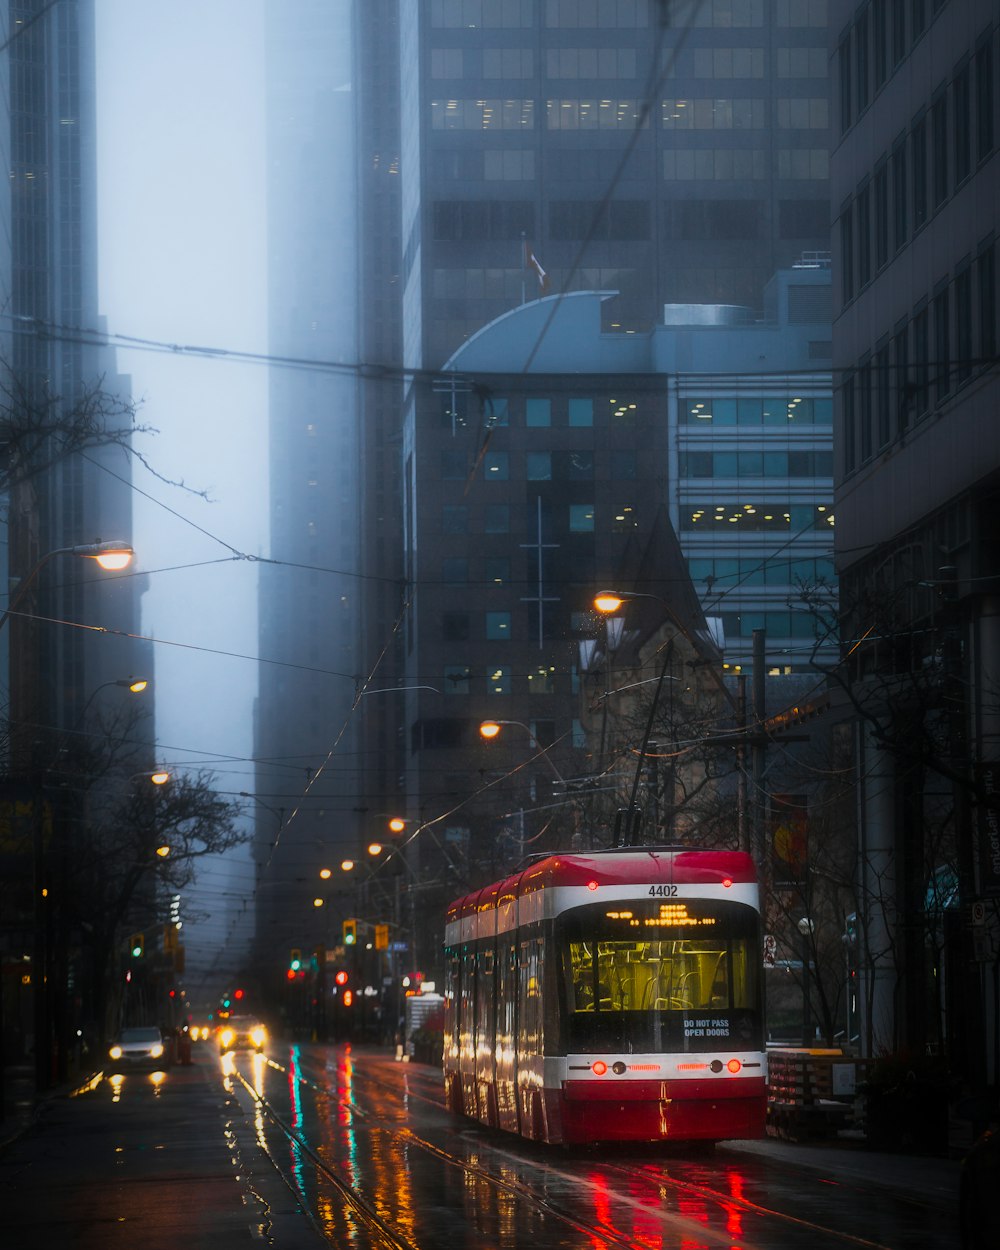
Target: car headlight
column 115, row 1052
column 226, row 1037
column 258, row 1035
column 156, row 1051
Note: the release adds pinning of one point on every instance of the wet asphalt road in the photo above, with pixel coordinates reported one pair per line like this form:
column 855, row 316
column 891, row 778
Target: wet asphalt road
column 317, row 1146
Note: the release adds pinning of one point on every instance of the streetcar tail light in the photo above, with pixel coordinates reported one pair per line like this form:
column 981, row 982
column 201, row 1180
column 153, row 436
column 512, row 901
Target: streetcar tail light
column 591, row 885
column 734, row 1066
column 727, row 882
column 599, row 1068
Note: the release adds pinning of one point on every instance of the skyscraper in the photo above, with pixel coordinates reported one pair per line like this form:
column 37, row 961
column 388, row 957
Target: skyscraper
column 915, row 182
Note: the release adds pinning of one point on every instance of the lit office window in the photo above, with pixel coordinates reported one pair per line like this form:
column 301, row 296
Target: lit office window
column 581, row 518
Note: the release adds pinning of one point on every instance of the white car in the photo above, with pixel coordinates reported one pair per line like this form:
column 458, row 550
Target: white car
column 141, row 1047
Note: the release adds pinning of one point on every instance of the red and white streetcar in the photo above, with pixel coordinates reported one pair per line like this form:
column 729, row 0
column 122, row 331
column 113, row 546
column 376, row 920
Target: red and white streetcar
column 615, row 995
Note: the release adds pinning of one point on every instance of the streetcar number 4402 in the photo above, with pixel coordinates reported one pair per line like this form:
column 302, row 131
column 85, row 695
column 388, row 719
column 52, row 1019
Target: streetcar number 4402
column 663, row 891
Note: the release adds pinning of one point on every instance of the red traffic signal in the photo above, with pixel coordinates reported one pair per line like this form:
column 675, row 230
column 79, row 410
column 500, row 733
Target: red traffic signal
column 238, row 994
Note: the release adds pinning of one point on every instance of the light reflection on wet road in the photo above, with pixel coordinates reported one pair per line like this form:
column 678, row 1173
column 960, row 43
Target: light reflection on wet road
column 369, row 1148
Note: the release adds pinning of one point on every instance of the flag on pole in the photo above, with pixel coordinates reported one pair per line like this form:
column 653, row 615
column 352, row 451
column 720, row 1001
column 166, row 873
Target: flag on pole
column 531, row 262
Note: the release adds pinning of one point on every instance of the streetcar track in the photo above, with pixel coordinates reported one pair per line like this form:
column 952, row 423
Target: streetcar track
column 725, row 1200
column 656, row 1180
column 362, row 1209
column 407, row 1135
column 728, row 1200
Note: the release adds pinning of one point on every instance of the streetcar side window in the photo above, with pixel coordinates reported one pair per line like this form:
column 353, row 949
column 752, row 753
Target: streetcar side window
column 452, row 1004
column 466, row 1004
column 485, row 1008
column 506, row 1036
column 530, row 997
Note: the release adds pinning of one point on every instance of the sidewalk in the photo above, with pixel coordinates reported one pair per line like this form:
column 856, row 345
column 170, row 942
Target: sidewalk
column 936, row 1179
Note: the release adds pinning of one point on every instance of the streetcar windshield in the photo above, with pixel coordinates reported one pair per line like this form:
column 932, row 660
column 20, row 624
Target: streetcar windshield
column 661, row 975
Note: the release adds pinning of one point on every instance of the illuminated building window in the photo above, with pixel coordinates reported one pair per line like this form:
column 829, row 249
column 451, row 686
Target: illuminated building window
column 498, row 680
column 497, row 570
column 542, row 680
column 624, row 519
column 581, row 518
column 498, row 626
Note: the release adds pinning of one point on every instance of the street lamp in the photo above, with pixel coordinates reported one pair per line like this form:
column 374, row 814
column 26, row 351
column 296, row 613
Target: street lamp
column 111, row 556
column 490, row 729
column 608, row 602
column 805, row 927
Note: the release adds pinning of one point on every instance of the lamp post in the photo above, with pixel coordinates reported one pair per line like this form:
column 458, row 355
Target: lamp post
column 48, row 1064
column 610, row 601
column 111, row 556
column 490, row 729
column 607, row 603
column 805, row 927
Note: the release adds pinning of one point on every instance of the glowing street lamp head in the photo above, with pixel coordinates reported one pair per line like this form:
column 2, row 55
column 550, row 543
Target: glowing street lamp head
column 138, row 684
column 607, row 602
column 397, row 824
column 163, row 851
column 326, row 873
column 112, row 557
column 160, row 777
column 374, row 848
column 489, row 729
column 346, row 865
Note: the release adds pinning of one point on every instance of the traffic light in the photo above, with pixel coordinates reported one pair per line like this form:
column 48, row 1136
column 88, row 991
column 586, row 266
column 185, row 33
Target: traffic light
column 295, row 962
column 238, row 994
column 350, row 932
column 137, row 945
column 341, row 977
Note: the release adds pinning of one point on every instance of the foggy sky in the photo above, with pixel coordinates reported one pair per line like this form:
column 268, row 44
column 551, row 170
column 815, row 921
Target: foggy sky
column 182, row 260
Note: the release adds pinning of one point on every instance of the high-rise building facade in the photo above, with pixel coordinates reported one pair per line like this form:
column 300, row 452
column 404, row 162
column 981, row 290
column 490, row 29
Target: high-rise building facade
column 916, row 189
column 675, row 153
column 72, row 636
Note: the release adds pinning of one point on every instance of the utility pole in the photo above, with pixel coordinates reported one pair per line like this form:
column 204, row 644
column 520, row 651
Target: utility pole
column 758, row 747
